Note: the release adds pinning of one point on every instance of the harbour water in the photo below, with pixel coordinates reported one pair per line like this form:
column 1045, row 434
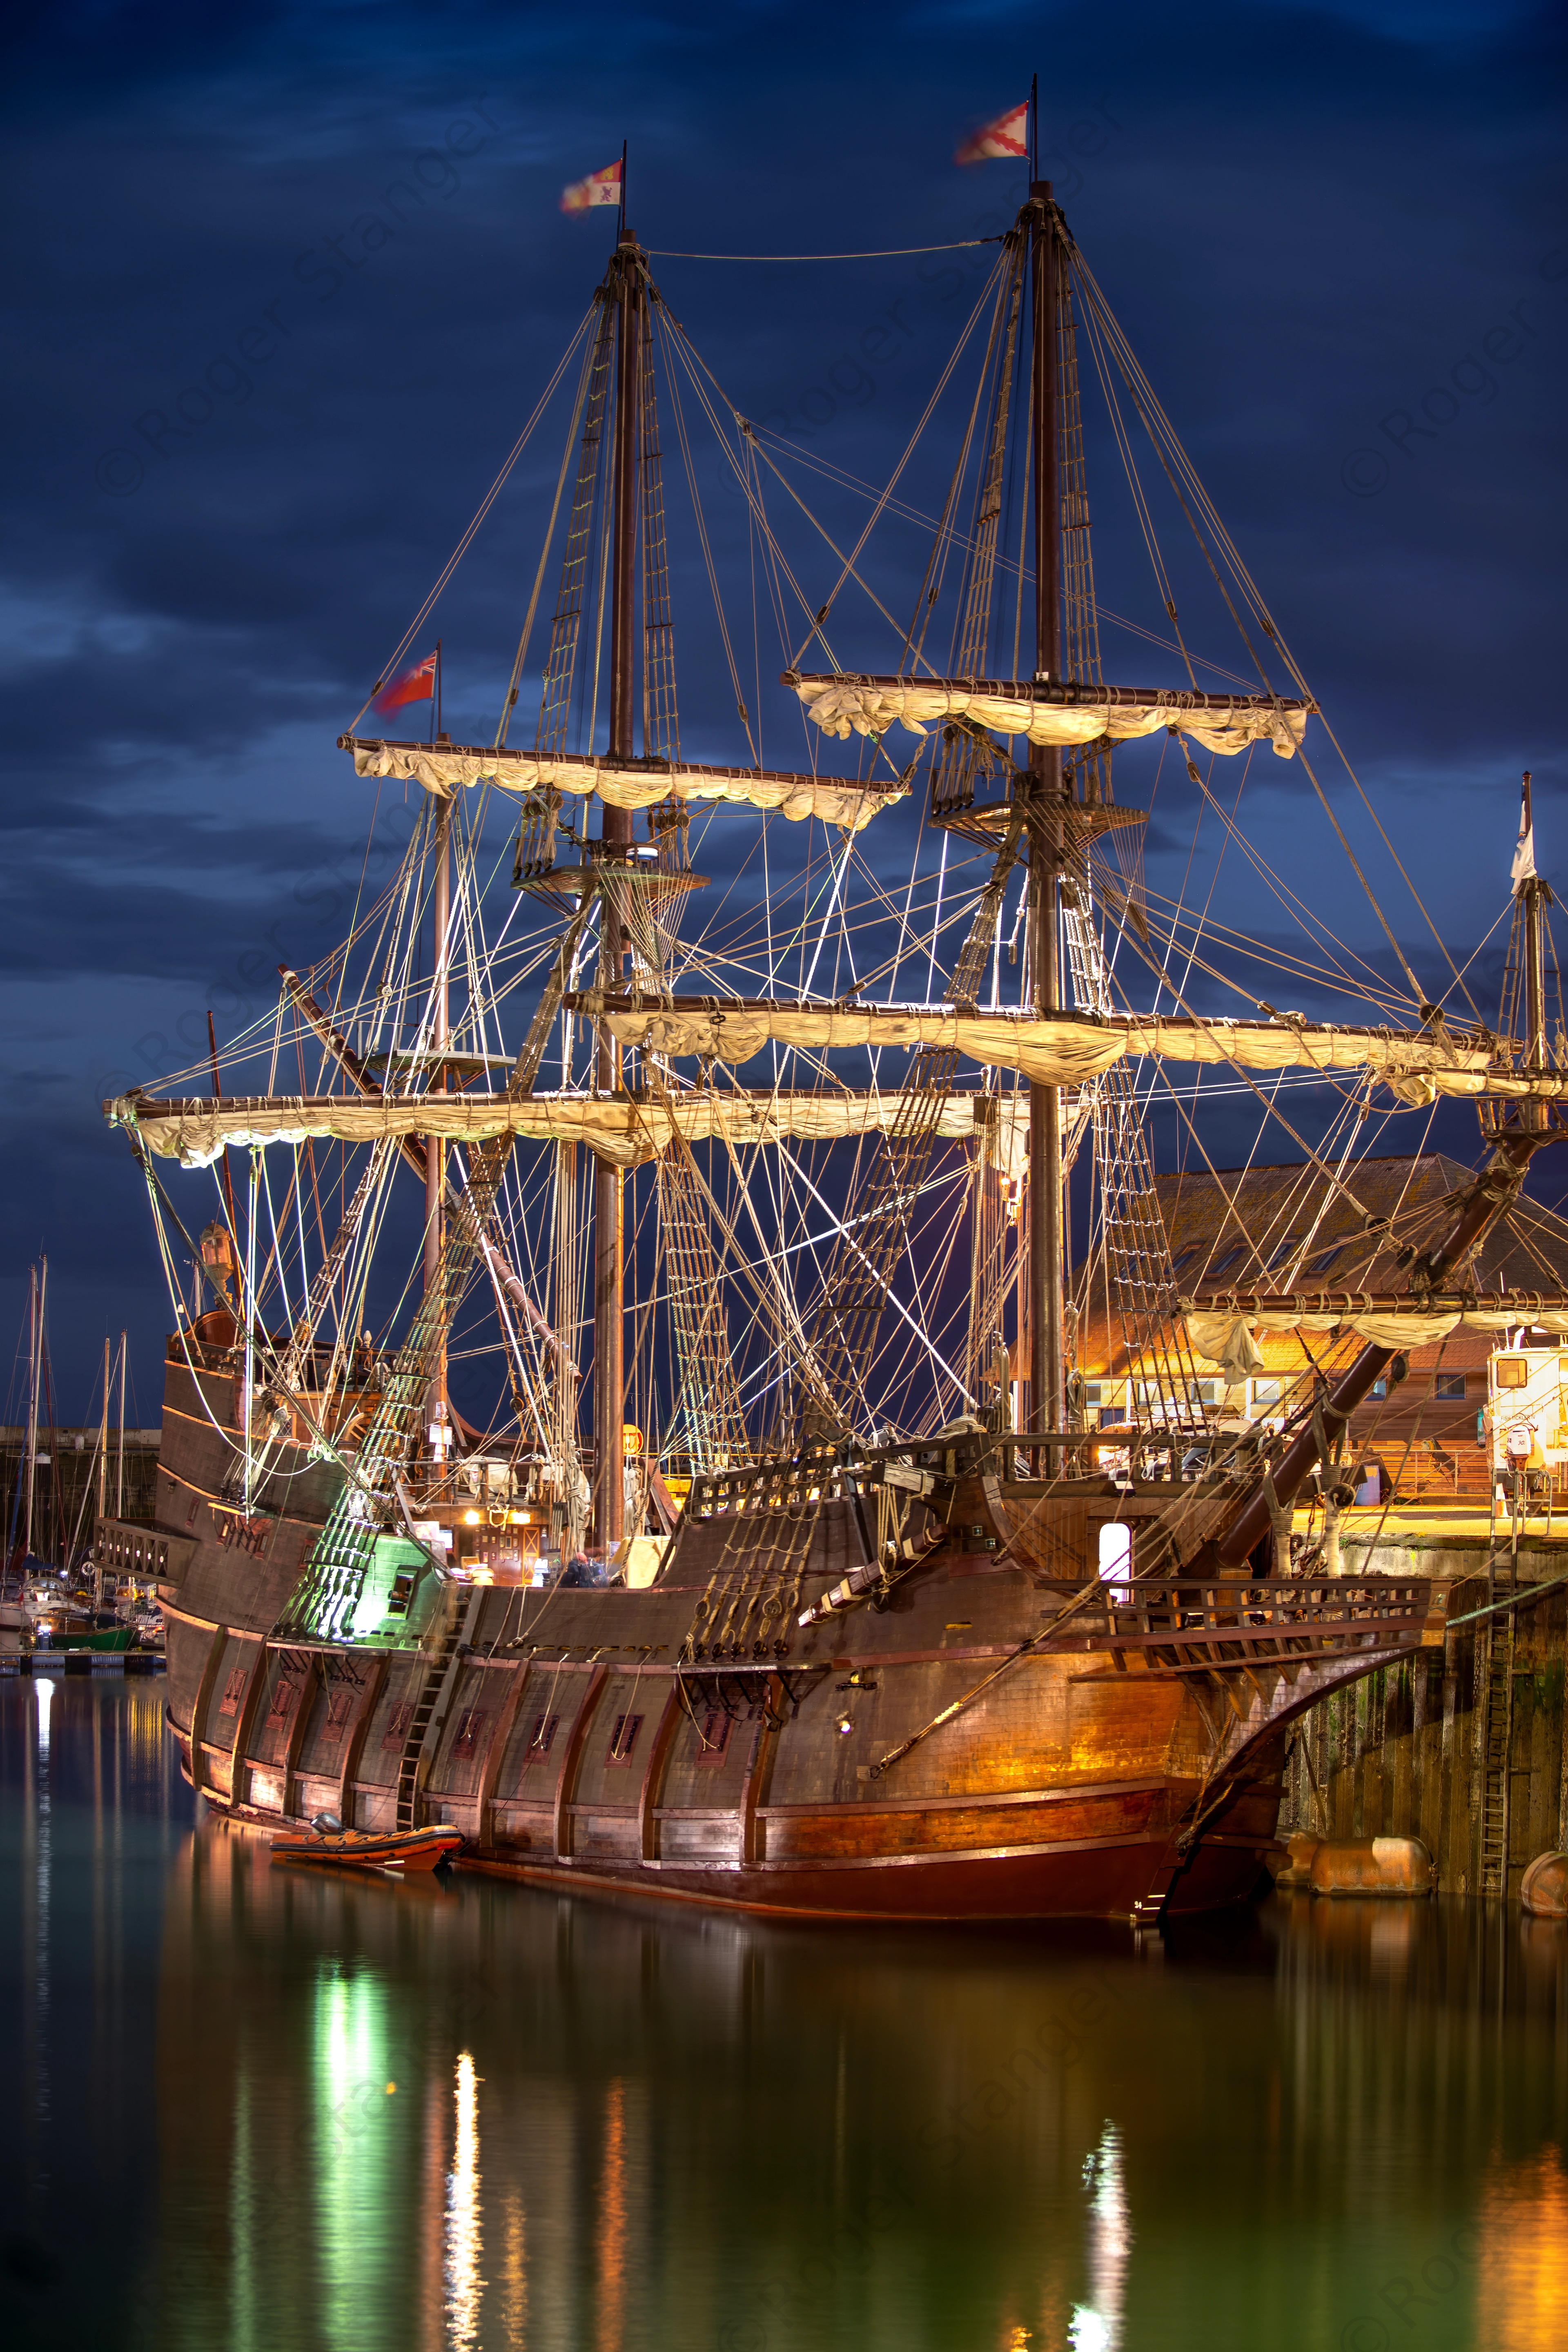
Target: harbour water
column 254, row 2108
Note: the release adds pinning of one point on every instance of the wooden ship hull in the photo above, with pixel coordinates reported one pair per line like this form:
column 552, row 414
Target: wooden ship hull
column 566, row 1736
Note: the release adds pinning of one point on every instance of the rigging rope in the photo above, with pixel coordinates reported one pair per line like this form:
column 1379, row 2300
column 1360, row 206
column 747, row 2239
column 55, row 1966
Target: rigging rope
column 888, row 253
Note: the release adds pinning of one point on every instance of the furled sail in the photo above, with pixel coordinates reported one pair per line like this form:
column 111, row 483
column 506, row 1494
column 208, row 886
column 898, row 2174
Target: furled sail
column 441, row 768
column 1068, row 1049
column 843, row 704
column 626, row 1129
column 1218, row 1337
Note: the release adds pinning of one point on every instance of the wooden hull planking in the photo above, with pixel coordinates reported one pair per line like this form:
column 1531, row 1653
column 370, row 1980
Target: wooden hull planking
column 567, row 1744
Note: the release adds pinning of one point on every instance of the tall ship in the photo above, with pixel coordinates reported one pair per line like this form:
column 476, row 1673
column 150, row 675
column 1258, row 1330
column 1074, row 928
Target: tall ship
column 626, row 1395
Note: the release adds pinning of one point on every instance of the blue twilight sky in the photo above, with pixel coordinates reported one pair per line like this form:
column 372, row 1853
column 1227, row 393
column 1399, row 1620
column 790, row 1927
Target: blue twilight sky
column 284, row 281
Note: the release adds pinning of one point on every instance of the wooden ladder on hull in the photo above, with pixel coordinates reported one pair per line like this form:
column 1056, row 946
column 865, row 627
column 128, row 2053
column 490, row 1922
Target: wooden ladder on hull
column 437, row 1676
column 1150, row 1908
column 1494, row 1673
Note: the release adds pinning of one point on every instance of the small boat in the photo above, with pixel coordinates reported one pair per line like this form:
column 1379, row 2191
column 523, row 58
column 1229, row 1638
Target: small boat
column 327, row 1841
column 68, row 1627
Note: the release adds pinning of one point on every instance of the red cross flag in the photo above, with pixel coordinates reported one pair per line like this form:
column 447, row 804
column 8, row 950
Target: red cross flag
column 1008, row 135
column 599, row 188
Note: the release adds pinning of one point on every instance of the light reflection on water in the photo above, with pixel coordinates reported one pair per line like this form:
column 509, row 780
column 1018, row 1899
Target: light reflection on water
column 321, row 2111
column 465, row 2238
column 1097, row 2326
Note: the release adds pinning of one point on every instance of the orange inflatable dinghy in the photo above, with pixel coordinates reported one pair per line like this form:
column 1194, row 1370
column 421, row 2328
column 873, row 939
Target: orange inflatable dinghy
column 326, row 1840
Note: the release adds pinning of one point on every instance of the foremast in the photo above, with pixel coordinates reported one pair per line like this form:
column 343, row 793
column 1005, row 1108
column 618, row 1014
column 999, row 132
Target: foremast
column 1043, row 1335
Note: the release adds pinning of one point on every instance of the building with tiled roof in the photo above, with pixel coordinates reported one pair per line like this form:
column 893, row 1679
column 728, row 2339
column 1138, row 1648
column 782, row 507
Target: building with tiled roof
column 1289, row 1232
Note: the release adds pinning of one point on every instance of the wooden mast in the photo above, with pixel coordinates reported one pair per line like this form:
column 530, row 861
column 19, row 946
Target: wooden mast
column 1045, row 1294
column 440, row 1038
column 615, row 836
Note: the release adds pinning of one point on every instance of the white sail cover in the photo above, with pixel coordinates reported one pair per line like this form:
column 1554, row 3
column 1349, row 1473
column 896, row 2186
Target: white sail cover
column 442, row 768
column 1228, row 1339
column 842, row 705
column 622, row 1128
column 1069, row 1049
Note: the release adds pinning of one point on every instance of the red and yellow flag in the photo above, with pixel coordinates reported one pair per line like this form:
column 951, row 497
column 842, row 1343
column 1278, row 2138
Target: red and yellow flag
column 599, row 188
column 1008, row 135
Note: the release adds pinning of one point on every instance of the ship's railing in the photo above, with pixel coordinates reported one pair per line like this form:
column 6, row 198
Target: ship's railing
column 1188, row 1624
column 144, row 1554
column 1040, row 1455
column 816, row 1474
column 819, row 1474
column 207, row 1357
column 367, row 1367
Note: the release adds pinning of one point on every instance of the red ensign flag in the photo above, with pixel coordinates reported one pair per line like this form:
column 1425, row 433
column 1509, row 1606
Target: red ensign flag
column 599, row 188
column 416, row 685
column 1008, row 135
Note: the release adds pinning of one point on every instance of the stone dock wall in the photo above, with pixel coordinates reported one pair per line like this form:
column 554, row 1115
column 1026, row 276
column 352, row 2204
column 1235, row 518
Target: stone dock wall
column 1404, row 1753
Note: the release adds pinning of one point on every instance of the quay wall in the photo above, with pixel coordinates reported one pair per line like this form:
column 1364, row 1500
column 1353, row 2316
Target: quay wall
column 1405, row 1751
column 65, row 1495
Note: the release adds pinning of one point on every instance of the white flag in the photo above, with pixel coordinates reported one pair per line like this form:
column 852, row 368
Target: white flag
column 1524, row 867
column 1007, row 136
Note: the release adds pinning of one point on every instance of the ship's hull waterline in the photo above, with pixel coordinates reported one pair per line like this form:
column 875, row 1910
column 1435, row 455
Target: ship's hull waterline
column 1088, row 1845
column 559, row 1733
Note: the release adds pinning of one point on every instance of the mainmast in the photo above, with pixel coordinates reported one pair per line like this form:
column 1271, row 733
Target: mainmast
column 1044, row 1290
column 435, row 1147
column 616, row 837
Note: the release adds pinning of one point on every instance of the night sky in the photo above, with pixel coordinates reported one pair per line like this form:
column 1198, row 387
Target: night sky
column 283, row 282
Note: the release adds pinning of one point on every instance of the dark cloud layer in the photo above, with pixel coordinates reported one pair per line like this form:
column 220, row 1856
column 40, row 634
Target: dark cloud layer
column 283, row 283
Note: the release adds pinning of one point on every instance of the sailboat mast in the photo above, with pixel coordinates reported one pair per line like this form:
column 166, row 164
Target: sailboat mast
column 34, row 1333
column 119, row 1457
column 1531, row 897
column 1045, row 1294
column 615, row 835
column 103, row 1438
column 103, row 1481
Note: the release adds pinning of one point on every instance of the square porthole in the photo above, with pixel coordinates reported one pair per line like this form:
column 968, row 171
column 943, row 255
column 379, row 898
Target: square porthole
column 340, row 1707
column 283, row 1697
column 713, row 1729
column 624, row 1739
column 541, row 1732
column 470, row 1724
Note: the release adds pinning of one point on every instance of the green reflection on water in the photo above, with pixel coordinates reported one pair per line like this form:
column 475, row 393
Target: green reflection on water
column 351, row 2141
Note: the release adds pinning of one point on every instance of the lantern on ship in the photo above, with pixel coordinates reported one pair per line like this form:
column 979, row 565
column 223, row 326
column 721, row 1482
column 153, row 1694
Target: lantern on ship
column 217, row 1261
